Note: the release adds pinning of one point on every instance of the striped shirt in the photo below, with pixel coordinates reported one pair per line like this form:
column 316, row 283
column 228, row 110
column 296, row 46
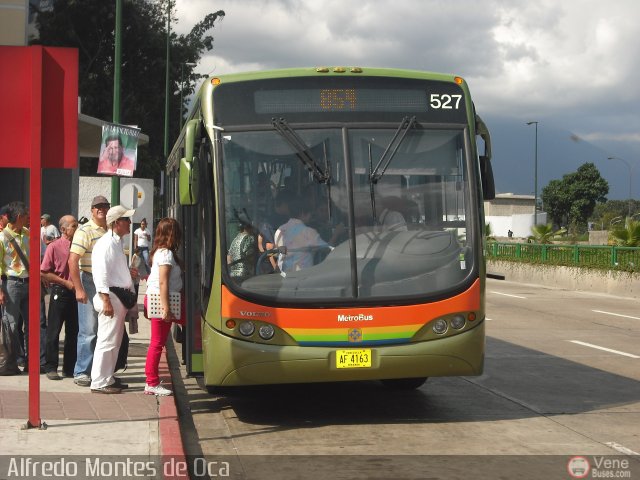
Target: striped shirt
column 11, row 264
column 84, row 239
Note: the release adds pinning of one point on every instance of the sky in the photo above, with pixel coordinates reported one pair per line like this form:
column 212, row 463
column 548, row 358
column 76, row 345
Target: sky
column 571, row 65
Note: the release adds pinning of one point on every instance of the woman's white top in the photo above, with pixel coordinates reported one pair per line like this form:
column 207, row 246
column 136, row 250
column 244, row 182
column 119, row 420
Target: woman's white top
column 162, row 256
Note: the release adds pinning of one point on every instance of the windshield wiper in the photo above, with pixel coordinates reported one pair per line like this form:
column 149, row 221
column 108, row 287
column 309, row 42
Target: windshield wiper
column 406, row 124
column 301, row 149
column 375, row 173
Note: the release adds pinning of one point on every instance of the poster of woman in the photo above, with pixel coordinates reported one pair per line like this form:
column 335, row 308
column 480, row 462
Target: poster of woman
column 118, row 151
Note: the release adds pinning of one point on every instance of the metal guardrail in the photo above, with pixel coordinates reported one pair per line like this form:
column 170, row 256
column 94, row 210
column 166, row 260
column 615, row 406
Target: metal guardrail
column 595, row 256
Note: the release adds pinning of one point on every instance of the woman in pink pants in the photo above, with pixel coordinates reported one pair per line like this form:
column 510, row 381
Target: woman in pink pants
column 165, row 278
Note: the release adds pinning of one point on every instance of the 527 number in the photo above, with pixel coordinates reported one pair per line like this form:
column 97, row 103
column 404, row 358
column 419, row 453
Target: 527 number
column 444, row 101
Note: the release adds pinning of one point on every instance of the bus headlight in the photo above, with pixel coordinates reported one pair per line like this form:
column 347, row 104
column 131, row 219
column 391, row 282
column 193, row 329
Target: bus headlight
column 247, row 328
column 266, row 332
column 440, row 326
column 458, row 322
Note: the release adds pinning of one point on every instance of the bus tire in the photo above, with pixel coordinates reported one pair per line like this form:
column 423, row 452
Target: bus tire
column 404, row 383
column 210, row 389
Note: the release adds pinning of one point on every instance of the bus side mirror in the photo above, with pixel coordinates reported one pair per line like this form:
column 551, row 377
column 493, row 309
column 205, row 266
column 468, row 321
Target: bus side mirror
column 488, row 183
column 486, row 172
column 189, row 176
column 189, row 181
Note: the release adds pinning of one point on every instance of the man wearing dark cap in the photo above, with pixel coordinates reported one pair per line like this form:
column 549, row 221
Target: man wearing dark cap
column 81, row 275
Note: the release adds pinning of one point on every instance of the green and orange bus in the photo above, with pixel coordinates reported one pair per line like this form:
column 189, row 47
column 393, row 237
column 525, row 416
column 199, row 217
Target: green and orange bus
column 378, row 271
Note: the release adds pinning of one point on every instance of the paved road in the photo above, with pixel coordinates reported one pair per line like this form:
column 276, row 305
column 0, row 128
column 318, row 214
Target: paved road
column 561, row 379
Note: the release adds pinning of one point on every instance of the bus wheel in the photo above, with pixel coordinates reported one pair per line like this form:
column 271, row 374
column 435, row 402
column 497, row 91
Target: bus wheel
column 404, row 383
column 210, row 389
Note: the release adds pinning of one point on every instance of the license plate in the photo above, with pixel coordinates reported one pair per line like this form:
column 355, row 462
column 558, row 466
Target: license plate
column 353, row 358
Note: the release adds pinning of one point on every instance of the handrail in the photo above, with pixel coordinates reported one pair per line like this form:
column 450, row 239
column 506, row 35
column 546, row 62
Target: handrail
column 610, row 257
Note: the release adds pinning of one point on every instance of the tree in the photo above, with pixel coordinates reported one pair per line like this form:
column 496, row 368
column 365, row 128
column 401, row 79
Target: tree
column 556, row 201
column 89, row 26
column 612, row 211
column 545, row 234
column 571, row 201
column 629, row 236
column 488, row 233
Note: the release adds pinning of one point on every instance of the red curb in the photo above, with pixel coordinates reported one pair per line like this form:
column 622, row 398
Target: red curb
column 171, row 446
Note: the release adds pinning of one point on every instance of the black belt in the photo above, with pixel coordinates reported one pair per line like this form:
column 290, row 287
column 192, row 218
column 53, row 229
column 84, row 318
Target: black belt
column 59, row 288
column 18, row 279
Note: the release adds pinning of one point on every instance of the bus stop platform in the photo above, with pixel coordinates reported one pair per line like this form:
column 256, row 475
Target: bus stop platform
column 79, row 423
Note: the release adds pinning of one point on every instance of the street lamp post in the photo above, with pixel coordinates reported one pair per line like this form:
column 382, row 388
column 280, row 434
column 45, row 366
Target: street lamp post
column 115, row 180
column 189, row 64
column 630, row 174
column 165, row 149
column 535, row 175
column 166, row 84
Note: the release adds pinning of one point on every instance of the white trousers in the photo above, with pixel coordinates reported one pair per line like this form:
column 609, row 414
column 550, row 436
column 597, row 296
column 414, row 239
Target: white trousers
column 110, row 331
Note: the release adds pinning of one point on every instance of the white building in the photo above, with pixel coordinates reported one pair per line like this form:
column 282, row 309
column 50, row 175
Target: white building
column 512, row 212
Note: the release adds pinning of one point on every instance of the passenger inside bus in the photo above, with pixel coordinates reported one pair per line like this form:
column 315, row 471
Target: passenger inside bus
column 299, row 242
column 241, row 257
column 390, row 217
column 326, row 221
column 267, row 229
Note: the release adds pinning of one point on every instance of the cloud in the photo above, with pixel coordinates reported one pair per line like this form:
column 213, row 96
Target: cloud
column 574, row 62
column 565, row 53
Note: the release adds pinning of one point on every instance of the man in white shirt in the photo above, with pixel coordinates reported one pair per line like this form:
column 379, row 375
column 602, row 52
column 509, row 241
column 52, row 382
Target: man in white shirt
column 142, row 237
column 48, row 232
column 390, row 220
column 110, row 269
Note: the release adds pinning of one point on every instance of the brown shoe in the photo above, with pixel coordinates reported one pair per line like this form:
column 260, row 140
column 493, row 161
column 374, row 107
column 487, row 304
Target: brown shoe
column 108, row 390
column 53, row 376
column 117, row 382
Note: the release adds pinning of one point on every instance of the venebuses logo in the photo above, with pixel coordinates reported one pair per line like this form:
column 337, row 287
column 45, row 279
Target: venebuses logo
column 360, row 317
column 578, row 467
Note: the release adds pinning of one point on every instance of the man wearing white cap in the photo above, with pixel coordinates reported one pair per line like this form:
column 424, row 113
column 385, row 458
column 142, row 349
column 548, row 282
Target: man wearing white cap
column 110, row 273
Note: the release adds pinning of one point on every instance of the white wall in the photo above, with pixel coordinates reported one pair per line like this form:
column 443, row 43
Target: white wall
column 612, row 282
column 520, row 224
column 134, row 193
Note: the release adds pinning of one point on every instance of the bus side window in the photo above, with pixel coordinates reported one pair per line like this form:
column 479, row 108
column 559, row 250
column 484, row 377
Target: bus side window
column 206, row 222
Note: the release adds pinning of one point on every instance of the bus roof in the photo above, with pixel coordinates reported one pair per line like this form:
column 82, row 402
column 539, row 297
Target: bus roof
column 334, row 71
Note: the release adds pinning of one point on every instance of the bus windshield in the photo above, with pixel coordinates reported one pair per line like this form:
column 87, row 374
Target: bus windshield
column 347, row 214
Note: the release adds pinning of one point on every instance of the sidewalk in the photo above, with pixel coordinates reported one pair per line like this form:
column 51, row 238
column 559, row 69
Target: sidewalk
column 79, row 422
